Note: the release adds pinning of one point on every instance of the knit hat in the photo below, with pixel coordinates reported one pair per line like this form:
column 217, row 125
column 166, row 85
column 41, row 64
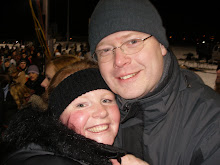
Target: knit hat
column 112, row 16
column 33, row 69
column 74, row 86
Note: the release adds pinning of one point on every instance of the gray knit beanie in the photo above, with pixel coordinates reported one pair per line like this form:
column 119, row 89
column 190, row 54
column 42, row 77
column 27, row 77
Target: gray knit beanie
column 74, row 86
column 112, row 16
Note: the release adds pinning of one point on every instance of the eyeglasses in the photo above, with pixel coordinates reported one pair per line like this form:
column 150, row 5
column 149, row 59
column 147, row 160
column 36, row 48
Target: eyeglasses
column 129, row 47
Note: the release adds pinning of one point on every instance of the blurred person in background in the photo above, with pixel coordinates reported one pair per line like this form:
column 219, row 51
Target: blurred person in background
column 35, row 79
column 24, row 56
column 22, row 66
column 16, row 76
column 55, row 65
column 5, row 65
column 21, row 94
column 37, row 59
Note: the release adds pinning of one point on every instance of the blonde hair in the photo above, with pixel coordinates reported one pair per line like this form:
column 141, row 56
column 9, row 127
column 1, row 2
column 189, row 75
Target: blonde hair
column 62, row 61
column 65, row 72
column 20, row 93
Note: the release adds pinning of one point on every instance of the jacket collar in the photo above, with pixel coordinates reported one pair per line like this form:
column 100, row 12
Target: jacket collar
column 40, row 131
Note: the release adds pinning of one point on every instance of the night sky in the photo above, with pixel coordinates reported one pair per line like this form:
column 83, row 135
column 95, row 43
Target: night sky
column 178, row 16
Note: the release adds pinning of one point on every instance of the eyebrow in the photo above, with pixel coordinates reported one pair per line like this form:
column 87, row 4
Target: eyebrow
column 122, row 38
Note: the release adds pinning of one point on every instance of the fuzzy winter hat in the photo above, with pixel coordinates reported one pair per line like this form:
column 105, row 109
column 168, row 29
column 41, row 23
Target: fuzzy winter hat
column 112, row 16
column 74, row 86
column 33, row 69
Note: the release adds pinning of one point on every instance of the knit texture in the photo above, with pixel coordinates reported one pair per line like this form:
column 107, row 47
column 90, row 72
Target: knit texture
column 74, row 86
column 33, row 69
column 112, row 16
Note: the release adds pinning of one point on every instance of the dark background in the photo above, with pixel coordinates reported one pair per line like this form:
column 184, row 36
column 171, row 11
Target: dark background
column 181, row 18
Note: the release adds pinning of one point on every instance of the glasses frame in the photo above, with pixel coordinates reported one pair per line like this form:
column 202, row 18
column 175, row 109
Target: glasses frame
column 95, row 57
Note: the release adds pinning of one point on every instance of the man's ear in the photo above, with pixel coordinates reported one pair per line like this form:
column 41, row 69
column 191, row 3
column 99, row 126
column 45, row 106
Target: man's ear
column 163, row 50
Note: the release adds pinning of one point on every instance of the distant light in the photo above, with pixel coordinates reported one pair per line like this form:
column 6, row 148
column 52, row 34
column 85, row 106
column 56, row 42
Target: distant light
column 171, row 37
column 203, row 42
column 16, row 42
column 212, row 37
column 71, row 38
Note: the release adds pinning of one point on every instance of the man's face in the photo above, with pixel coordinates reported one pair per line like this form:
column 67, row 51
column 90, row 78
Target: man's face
column 24, row 55
column 132, row 76
column 22, row 65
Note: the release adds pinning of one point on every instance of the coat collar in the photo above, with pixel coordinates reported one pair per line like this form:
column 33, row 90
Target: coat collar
column 50, row 135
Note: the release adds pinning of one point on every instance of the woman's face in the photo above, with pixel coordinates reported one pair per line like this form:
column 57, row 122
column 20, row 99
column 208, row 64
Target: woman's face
column 50, row 72
column 94, row 115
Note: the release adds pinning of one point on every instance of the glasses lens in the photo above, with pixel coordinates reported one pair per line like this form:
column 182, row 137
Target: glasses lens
column 132, row 46
column 104, row 55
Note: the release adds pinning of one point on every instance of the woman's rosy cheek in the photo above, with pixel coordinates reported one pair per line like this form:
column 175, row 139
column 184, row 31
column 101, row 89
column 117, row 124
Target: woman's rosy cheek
column 77, row 121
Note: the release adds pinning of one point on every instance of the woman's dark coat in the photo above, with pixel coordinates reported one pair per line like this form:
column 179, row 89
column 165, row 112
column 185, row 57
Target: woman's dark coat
column 35, row 138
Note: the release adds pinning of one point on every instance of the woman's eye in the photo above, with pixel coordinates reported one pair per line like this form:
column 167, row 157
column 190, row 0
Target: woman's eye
column 48, row 78
column 106, row 101
column 80, row 105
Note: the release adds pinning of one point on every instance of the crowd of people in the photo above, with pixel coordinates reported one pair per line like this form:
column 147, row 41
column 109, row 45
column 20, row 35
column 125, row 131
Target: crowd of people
column 23, row 79
column 21, row 72
column 131, row 105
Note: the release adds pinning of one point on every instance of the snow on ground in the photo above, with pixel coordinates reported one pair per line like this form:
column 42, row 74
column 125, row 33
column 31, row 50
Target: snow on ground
column 206, row 71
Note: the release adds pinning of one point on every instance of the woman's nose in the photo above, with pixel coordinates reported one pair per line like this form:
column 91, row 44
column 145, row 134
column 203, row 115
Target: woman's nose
column 43, row 83
column 100, row 112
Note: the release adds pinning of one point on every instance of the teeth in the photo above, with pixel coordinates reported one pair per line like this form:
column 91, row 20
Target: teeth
column 128, row 76
column 98, row 128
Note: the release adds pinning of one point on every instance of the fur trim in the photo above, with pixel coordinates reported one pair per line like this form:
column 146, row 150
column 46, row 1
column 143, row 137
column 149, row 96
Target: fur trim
column 32, row 126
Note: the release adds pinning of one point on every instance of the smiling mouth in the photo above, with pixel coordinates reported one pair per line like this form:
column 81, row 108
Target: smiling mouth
column 99, row 128
column 128, row 76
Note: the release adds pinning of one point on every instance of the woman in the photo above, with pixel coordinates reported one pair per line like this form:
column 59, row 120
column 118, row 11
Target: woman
column 55, row 65
column 36, row 137
column 94, row 113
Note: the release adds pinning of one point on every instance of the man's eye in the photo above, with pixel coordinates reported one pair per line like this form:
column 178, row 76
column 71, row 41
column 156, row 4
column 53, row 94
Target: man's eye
column 106, row 50
column 132, row 42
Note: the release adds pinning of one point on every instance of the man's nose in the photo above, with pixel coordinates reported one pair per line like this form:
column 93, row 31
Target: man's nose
column 120, row 58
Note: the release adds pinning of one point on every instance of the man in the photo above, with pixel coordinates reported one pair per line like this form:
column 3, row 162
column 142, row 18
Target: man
column 22, row 66
column 168, row 115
